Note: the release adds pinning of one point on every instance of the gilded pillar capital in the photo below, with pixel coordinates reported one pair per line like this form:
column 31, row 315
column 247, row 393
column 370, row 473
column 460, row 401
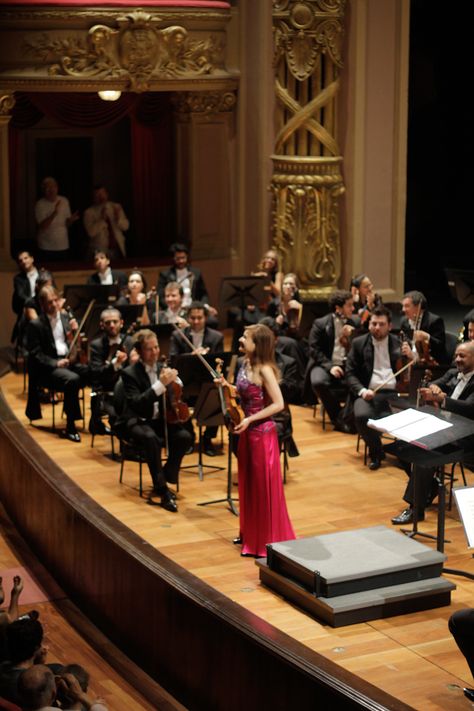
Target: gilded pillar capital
column 7, row 102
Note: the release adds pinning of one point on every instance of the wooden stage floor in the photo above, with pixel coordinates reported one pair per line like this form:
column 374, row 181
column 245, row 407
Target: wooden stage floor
column 412, row 657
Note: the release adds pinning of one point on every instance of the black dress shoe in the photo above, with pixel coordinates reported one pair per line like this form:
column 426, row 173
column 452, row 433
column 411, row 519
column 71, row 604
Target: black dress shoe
column 168, row 502
column 469, row 693
column 237, row 541
column 406, row 516
column 71, row 435
column 375, row 463
column 98, row 428
column 209, row 449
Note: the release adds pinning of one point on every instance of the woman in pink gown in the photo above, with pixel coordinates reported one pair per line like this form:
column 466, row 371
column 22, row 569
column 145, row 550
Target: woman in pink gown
column 263, row 513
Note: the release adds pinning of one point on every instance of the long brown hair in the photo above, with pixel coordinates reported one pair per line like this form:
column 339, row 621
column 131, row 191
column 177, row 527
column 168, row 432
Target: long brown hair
column 264, row 353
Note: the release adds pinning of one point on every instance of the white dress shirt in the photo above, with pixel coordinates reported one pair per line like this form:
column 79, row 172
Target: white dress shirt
column 59, row 335
column 382, row 371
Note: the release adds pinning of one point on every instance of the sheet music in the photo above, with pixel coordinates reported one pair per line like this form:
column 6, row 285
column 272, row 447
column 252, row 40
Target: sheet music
column 464, row 498
column 409, row 425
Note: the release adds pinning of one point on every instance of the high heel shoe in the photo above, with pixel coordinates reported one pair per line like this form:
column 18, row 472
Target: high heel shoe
column 237, row 541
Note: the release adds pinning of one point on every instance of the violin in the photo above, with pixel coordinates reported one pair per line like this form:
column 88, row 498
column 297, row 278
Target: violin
column 233, row 413
column 176, row 409
column 78, row 343
column 422, row 346
column 403, row 383
column 424, row 382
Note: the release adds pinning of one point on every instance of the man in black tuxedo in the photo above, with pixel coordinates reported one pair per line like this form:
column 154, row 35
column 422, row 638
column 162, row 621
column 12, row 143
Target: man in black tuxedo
column 370, row 368
column 461, row 626
column 49, row 362
column 109, row 354
column 423, row 327
column 453, row 392
column 205, row 340
column 23, row 287
column 328, row 341
column 145, row 383
column 189, row 278
column 105, row 275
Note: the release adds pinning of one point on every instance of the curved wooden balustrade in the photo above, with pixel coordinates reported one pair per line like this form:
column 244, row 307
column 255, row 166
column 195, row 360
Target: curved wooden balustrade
column 206, row 650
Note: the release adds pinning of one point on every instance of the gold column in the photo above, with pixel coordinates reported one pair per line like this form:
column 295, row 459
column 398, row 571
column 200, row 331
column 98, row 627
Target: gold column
column 307, row 181
column 7, row 102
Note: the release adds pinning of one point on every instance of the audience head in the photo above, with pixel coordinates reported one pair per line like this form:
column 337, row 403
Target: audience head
column 36, row 687
column 341, row 302
column 361, row 285
column 468, row 322
column 101, row 260
column 470, row 330
column 24, row 640
column 147, row 347
column 80, row 673
column 380, row 323
column 464, row 357
column 49, row 186
column 413, row 303
column 173, row 295
column 25, row 260
column 180, row 252
column 100, row 195
column 111, row 321
column 197, row 316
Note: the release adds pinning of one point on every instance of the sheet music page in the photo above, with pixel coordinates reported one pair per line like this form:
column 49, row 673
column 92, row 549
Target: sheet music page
column 464, row 498
column 410, row 425
column 399, row 419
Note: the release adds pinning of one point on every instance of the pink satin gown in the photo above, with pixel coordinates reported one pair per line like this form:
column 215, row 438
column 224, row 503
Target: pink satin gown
column 263, row 513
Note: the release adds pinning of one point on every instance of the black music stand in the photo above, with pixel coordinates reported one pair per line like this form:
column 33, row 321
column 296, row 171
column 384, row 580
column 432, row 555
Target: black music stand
column 243, row 291
column 207, row 413
column 193, row 373
column 446, row 446
column 163, row 332
column 79, row 296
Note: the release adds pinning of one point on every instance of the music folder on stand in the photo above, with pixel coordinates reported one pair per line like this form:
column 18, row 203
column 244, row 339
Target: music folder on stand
column 444, row 446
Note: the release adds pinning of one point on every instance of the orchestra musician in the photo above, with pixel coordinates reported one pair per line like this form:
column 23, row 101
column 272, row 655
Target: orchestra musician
column 370, row 376
column 453, row 392
column 364, row 296
column 175, row 311
column 136, row 294
column 104, row 274
column 189, row 278
column 23, row 287
column 143, row 416
column 425, row 328
column 287, row 308
column 50, row 362
column 205, row 340
column 109, row 354
column 269, row 267
column 329, row 342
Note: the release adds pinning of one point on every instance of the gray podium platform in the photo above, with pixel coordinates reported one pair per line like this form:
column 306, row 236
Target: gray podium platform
column 359, row 575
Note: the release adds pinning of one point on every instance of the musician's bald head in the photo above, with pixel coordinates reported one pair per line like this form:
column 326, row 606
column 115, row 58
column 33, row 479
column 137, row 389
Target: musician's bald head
column 464, row 357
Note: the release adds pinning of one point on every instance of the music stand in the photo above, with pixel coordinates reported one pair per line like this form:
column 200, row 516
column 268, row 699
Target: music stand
column 461, row 285
column 130, row 313
column 193, row 372
column 207, row 413
column 79, row 296
column 243, row 291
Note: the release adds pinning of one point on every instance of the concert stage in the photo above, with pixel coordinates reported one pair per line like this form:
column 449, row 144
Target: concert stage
column 410, row 657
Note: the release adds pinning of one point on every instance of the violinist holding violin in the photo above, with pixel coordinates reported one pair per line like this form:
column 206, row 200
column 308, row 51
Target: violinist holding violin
column 426, row 329
column 145, row 384
column 263, row 512
column 50, row 363
column 109, row 354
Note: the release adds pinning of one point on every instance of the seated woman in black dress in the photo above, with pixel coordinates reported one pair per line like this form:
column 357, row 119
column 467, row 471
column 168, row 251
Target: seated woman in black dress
column 135, row 294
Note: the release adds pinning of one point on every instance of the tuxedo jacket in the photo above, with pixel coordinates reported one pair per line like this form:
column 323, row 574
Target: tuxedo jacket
column 214, row 340
column 321, row 341
column 360, row 361
column 118, row 277
column 198, row 288
column 103, row 372
column 21, row 294
column 43, row 356
column 139, row 397
column 434, row 325
column 464, row 405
